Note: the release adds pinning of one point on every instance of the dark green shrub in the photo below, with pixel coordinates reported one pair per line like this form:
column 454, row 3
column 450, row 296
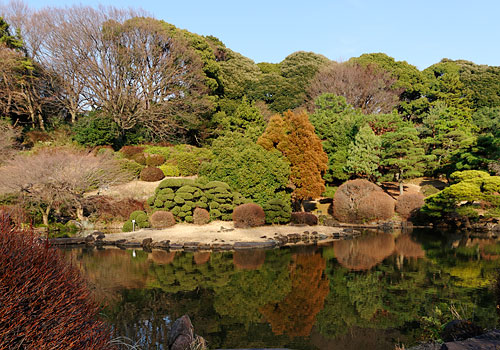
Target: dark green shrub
column 277, row 211
column 141, row 218
column 248, row 215
column 201, row 216
column 151, row 174
column 304, row 218
column 129, row 151
column 154, row 160
column 96, row 129
column 162, row 219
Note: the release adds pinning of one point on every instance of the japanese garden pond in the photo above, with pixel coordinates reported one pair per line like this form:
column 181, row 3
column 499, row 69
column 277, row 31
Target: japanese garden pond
column 370, row 292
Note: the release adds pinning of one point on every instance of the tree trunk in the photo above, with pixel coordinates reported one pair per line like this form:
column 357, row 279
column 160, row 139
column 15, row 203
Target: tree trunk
column 401, row 187
column 79, row 212
column 45, row 215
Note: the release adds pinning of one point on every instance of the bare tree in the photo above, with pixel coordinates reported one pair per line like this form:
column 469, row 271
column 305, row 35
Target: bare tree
column 7, row 141
column 56, row 178
column 364, row 87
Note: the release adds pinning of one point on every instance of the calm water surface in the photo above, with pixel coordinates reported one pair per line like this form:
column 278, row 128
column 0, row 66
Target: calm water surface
column 371, row 292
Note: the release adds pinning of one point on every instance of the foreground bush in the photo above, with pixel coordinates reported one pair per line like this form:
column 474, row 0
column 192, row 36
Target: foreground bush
column 304, row 218
column 201, row 216
column 141, row 221
column 248, row 215
column 44, row 303
column 162, row 219
column 409, row 203
column 151, row 174
column 354, row 202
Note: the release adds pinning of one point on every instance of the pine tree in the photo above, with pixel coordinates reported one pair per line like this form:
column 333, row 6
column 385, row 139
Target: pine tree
column 293, row 135
column 364, row 154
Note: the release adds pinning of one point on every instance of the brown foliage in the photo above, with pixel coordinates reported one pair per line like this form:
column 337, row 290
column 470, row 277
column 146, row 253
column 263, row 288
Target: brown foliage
column 44, row 303
column 364, row 87
column 409, row 203
column 57, row 177
column 162, row 257
column 151, row 174
column 365, row 252
column 377, row 205
column 129, row 151
column 296, row 314
column 162, row 219
column 139, row 158
column 16, row 214
column 304, row 218
column 293, row 135
column 352, row 199
column 248, row 215
column 154, row 159
column 201, row 216
column 407, row 247
column 249, row 259
column 105, row 208
column 201, row 258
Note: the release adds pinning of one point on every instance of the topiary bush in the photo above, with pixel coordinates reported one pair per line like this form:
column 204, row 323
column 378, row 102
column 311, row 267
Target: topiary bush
column 170, row 170
column 277, row 211
column 141, row 221
column 377, row 205
column 139, row 158
column 129, row 151
column 248, row 215
column 188, row 164
column 304, row 218
column 201, row 216
column 154, row 160
column 349, row 196
column 409, row 203
column 151, row 174
column 162, row 219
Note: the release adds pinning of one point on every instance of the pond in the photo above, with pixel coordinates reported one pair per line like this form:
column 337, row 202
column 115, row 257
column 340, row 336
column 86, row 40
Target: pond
column 371, row 292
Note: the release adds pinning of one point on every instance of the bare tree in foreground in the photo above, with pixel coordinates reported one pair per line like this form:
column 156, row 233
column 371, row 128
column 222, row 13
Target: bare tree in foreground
column 51, row 179
column 364, row 87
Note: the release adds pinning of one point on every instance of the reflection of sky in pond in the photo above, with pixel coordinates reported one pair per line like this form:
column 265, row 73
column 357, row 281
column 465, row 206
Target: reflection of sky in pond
column 370, row 292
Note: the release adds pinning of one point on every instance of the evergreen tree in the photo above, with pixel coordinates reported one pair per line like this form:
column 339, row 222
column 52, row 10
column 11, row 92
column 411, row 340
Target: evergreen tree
column 364, row 154
column 402, row 154
column 293, row 135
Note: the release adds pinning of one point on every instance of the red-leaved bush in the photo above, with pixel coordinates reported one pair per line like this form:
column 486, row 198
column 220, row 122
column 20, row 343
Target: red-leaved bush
column 105, row 208
column 44, row 302
column 151, row 174
column 304, row 218
column 409, row 203
column 248, row 215
column 129, row 151
column 162, row 219
column 378, row 205
column 154, row 159
column 201, row 216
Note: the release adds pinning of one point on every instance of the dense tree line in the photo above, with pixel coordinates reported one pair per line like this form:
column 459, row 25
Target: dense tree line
column 126, row 78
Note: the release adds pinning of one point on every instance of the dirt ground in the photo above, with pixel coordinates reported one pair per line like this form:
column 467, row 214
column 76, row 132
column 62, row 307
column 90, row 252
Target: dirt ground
column 217, row 232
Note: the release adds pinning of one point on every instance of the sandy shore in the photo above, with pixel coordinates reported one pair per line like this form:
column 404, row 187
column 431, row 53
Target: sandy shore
column 218, row 232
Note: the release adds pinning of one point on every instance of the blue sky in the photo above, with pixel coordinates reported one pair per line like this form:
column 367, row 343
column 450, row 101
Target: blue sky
column 419, row 32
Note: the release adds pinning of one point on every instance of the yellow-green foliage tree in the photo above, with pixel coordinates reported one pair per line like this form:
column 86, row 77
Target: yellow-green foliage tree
column 293, row 135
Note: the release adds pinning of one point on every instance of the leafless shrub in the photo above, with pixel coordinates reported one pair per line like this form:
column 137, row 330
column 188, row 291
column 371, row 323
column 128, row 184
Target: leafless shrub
column 409, row 203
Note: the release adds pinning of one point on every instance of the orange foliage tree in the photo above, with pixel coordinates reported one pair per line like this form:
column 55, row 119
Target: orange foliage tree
column 296, row 314
column 293, row 135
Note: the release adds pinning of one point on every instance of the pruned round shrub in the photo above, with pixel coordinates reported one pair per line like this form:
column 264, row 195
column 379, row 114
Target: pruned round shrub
column 248, row 215
column 304, row 218
column 43, row 298
column 139, row 158
column 349, row 196
column 176, row 183
column 201, row 216
column 377, row 205
column 141, row 221
column 188, row 164
column 170, row 170
column 151, row 174
column 154, row 160
column 409, row 203
column 162, row 219
column 129, row 151
column 277, row 211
